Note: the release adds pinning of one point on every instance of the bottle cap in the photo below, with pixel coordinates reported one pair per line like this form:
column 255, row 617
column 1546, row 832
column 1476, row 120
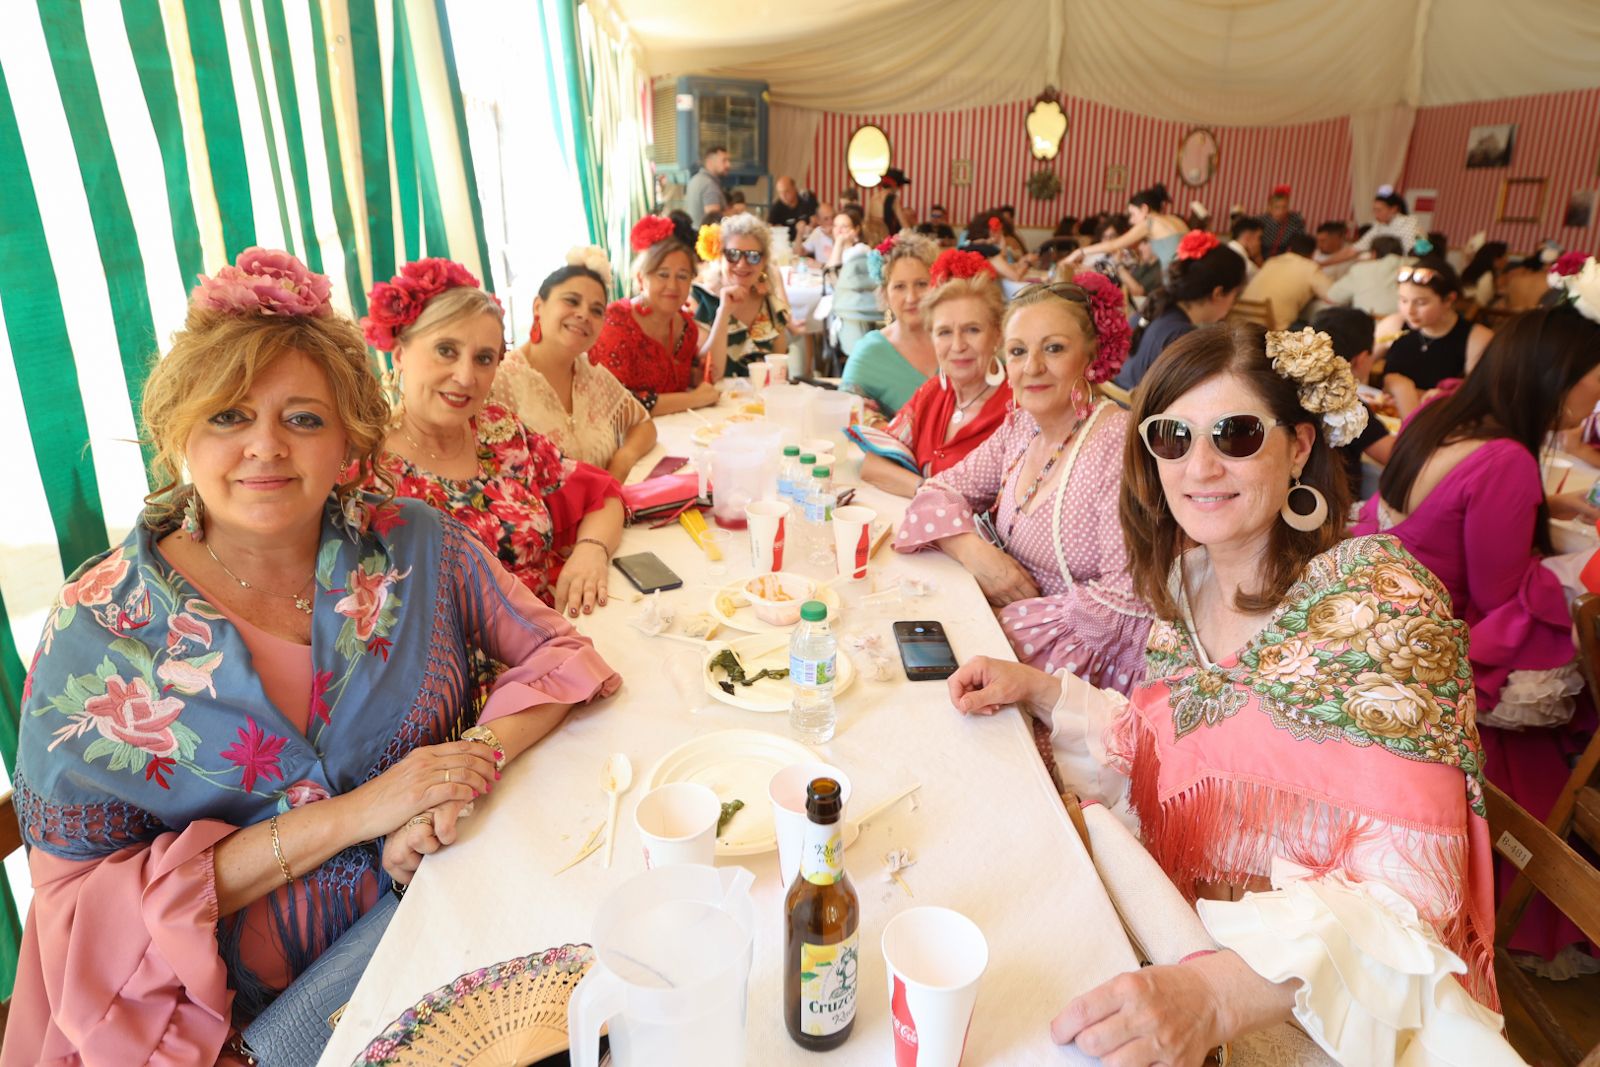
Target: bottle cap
column 824, row 800
column 813, row 611
column 791, row 450
column 807, row 458
column 821, row 472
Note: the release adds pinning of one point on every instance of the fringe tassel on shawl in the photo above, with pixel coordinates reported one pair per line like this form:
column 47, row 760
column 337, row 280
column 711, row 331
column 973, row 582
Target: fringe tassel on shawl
column 1222, row 831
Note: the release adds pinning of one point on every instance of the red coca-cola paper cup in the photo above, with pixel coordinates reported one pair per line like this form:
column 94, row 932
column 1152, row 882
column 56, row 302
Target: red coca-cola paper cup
column 934, row 958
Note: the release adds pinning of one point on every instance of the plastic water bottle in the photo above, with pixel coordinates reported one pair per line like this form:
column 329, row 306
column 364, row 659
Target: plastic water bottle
column 819, row 504
column 788, row 470
column 799, row 478
column 813, row 658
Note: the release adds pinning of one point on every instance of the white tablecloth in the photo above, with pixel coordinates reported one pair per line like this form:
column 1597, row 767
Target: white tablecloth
column 988, row 834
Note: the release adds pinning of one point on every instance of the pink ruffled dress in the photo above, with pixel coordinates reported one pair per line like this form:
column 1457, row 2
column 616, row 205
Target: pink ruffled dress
column 1088, row 620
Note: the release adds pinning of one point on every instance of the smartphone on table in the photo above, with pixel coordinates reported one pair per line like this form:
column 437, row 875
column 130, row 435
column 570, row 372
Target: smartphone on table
column 925, row 652
column 647, row 573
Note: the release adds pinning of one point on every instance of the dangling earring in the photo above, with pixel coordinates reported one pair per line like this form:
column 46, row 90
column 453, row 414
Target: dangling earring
column 641, row 306
column 995, row 377
column 1082, row 405
column 536, row 334
column 944, row 383
column 394, row 386
column 194, row 517
column 350, row 511
column 1311, row 519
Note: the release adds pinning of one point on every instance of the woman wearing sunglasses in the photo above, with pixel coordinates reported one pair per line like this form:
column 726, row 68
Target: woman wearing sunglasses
column 650, row 343
column 740, row 303
column 1438, row 343
column 1032, row 511
column 886, row 366
column 1301, row 757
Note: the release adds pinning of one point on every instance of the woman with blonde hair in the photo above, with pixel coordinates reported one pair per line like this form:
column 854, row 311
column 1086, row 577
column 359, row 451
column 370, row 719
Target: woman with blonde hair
column 740, row 301
column 554, row 522
column 235, row 733
column 955, row 411
column 650, row 343
column 550, row 384
column 886, row 366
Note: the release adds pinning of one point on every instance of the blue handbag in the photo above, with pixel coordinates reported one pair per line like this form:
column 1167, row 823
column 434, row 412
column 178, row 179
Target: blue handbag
column 295, row 1028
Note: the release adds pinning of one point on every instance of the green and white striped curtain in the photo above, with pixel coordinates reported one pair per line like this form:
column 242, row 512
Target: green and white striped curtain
column 614, row 94
column 143, row 142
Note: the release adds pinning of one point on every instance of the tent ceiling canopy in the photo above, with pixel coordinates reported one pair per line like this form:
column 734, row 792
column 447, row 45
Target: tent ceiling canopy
column 1226, row 62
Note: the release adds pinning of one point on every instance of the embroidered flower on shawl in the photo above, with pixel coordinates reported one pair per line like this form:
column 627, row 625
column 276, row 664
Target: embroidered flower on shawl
column 185, row 627
column 264, row 281
column 95, row 586
column 1196, row 243
column 1342, row 615
column 649, row 230
column 191, row 676
column 369, row 605
column 1288, row 661
column 1388, row 708
column 708, row 244
column 304, row 792
column 1397, row 585
column 318, row 710
column 255, row 754
column 1204, row 698
column 130, row 714
column 1414, row 648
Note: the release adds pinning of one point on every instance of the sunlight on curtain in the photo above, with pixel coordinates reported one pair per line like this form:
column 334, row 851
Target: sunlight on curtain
column 513, row 89
column 618, row 132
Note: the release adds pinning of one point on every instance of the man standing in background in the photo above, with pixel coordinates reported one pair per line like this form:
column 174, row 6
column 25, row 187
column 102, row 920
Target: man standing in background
column 1279, row 223
column 705, row 188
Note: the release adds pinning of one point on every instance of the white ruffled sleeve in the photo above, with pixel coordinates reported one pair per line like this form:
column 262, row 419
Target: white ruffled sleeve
column 1078, row 723
column 1376, row 986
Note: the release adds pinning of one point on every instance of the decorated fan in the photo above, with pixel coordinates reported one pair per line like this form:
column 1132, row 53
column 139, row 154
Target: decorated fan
column 879, row 443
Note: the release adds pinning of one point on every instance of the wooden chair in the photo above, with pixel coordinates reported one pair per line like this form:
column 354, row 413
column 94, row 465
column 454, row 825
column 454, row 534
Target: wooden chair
column 1255, row 311
column 1572, row 884
column 1113, row 391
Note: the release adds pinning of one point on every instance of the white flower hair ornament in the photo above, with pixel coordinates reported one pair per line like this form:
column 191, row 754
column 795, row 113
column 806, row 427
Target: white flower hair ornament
column 592, row 257
column 1583, row 289
column 1327, row 388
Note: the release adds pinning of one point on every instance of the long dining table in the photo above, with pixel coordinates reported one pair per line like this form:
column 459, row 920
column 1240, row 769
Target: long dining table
column 986, row 832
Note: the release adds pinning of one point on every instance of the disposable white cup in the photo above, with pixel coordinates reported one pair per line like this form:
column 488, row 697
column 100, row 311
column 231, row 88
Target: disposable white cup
column 933, row 958
column 760, row 375
column 769, row 534
column 852, row 539
column 777, row 367
column 678, row 824
column 1555, row 473
column 788, row 795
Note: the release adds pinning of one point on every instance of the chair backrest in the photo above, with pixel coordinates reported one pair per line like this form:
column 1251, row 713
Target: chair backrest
column 10, row 831
column 1569, row 880
column 1255, row 311
column 1113, row 391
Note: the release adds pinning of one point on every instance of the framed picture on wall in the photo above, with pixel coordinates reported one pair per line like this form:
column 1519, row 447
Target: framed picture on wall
column 1521, row 200
column 1490, row 146
column 1116, row 177
column 961, row 172
column 1580, row 209
column 1198, row 154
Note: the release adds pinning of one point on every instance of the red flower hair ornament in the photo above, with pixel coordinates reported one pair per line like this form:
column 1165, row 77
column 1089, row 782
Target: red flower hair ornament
column 884, row 248
column 959, row 263
column 1112, row 336
column 1281, row 190
column 648, row 231
column 397, row 303
column 1196, row 243
column 995, row 225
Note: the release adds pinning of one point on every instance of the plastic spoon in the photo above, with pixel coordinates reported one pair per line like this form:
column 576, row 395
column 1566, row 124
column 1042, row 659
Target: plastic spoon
column 615, row 778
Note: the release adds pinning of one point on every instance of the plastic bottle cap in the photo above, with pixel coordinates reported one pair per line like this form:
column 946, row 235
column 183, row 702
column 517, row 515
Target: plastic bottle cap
column 791, row 450
column 813, row 611
column 820, row 472
column 807, row 458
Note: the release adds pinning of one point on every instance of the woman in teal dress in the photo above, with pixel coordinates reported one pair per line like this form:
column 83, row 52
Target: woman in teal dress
column 886, row 366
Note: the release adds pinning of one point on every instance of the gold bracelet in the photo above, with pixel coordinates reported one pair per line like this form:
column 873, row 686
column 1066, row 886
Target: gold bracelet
column 277, row 851
column 485, row 736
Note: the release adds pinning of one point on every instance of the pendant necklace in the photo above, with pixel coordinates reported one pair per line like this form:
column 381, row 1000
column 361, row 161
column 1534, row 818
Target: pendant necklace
column 301, row 600
column 961, row 409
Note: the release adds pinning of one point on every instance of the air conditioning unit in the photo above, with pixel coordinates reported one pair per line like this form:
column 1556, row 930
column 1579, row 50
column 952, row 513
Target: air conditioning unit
column 693, row 113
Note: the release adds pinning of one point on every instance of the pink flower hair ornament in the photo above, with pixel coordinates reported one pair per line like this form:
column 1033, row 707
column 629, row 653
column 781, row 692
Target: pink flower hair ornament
column 397, row 303
column 1112, row 336
column 264, row 281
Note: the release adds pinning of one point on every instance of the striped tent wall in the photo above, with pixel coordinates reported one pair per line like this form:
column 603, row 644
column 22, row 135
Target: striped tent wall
column 1558, row 138
column 1313, row 158
column 143, row 142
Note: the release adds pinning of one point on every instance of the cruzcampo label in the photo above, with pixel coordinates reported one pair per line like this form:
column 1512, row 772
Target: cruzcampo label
column 827, row 986
column 822, row 855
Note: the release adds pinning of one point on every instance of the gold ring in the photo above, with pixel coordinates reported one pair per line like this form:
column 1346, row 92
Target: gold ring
column 419, row 820
column 446, row 777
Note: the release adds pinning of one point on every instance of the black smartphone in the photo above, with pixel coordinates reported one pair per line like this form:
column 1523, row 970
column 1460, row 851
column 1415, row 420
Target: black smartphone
column 925, row 652
column 647, row 572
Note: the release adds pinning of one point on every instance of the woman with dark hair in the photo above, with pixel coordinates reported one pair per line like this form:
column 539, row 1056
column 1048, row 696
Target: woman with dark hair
column 549, row 383
column 1300, row 755
column 1462, row 490
column 1439, row 344
column 1201, row 285
column 986, row 235
column 1393, row 220
column 1481, row 276
column 1148, row 218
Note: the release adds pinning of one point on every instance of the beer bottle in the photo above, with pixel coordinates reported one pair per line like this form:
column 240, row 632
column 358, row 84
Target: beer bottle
column 819, row 981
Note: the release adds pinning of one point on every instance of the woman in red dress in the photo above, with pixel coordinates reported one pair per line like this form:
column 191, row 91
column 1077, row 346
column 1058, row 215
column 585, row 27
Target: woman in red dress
column 650, row 343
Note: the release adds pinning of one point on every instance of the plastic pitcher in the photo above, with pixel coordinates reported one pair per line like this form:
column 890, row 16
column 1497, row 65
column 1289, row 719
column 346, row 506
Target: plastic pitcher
column 831, row 413
column 672, row 967
column 789, row 409
column 744, row 469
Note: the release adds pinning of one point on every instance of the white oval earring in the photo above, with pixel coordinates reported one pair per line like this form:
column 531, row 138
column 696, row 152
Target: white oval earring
column 1310, row 519
column 998, row 375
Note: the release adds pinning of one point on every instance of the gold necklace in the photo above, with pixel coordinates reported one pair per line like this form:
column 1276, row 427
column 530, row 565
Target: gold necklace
column 300, row 601
column 420, row 447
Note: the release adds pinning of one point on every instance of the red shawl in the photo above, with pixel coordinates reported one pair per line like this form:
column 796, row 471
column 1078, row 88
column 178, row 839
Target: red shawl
column 922, row 422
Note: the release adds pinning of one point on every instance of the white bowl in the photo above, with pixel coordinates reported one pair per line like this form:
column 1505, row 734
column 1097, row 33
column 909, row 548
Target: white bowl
column 781, row 612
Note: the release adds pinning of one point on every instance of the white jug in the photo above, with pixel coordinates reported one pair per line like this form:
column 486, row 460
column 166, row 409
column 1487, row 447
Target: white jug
column 672, row 966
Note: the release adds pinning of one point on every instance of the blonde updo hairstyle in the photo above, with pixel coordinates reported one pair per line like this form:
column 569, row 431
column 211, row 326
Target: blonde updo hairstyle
column 909, row 246
column 457, row 302
column 212, row 364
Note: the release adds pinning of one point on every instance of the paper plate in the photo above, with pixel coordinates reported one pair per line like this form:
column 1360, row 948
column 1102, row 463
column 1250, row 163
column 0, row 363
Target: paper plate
column 736, row 765
column 745, row 618
column 512, row 1012
column 704, row 435
column 769, row 695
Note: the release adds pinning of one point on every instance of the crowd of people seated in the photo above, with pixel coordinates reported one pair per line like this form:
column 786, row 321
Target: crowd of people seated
column 1294, row 695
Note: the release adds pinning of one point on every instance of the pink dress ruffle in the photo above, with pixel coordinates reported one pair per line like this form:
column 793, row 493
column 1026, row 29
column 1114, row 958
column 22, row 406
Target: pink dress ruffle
column 1088, row 619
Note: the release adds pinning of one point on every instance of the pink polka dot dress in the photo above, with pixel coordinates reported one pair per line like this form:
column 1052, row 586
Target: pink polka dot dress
column 1088, row 620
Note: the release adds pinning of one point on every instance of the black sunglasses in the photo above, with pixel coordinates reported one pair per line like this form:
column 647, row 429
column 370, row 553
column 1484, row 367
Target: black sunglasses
column 750, row 256
column 1237, row 436
column 1065, row 290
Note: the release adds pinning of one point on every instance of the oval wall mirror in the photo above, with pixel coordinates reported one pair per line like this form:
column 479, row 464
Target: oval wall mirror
column 867, row 155
column 1197, row 156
